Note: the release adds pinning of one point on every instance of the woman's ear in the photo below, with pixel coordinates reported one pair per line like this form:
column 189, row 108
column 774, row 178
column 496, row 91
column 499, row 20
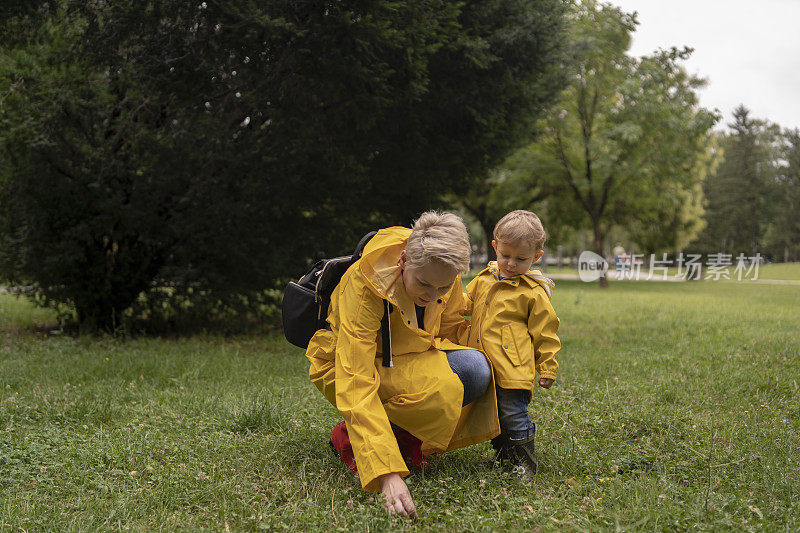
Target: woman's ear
column 403, row 258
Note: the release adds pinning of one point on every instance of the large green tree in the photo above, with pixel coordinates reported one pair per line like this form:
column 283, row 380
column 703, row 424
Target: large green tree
column 782, row 237
column 741, row 193
column 628, row 139
column 626, row 144
column 217, row 146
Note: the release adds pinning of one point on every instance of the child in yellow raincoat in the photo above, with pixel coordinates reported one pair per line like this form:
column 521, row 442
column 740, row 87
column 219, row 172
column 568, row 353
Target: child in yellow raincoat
column 514, row 324
column 439, row 392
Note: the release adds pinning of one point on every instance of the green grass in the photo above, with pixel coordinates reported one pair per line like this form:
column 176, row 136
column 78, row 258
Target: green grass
column 788, row 271
column 18, row 313
column 677, row 407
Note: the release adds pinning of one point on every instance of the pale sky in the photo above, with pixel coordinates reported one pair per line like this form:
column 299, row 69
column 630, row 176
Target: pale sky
column 748, row 50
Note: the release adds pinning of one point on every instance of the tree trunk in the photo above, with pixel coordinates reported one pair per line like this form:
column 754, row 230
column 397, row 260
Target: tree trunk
column 598, row 248
column 488, row 230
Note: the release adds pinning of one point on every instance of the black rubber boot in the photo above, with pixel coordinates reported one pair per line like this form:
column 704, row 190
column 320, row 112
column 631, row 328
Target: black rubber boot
column 523, row 455
column 501, row 457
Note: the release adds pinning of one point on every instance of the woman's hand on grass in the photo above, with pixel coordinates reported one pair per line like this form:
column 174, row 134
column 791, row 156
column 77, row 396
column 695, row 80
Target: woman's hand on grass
column 398, row 498
column 545, row 382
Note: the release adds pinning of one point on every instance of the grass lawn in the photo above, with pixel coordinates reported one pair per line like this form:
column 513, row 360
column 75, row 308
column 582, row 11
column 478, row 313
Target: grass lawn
column 790, row 271
column 677, row 407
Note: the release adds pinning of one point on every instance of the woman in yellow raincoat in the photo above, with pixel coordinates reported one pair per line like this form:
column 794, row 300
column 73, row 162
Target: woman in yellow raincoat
column 436, row 390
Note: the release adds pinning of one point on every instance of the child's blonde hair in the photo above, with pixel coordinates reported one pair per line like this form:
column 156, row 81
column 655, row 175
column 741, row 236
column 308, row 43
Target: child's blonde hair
column 439, row 236
column 521, row 226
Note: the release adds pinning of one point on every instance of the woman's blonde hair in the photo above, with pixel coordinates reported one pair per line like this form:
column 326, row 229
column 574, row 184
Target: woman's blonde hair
column 441, row 237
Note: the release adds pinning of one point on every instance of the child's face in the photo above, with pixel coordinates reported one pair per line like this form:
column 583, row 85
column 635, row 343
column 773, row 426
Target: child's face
column 427, row 283
column 514, row 259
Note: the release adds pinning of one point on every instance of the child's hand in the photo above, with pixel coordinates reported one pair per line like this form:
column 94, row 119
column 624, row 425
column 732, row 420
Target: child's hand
column 545, row 382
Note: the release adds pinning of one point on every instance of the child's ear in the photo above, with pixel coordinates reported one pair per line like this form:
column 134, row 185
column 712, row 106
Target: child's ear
column 539, row 255
column 494, row 245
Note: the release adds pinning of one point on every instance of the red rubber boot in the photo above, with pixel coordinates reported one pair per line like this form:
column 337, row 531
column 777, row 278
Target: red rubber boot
column 340, row 443
column 410, row 448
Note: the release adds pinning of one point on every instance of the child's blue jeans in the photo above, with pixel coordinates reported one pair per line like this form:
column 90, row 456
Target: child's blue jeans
column 512, row 409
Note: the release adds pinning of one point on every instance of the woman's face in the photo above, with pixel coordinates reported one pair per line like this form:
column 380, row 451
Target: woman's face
column 427, row 283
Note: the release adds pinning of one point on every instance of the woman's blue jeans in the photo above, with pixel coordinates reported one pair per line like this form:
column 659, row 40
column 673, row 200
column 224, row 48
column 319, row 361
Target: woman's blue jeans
column 473, row 370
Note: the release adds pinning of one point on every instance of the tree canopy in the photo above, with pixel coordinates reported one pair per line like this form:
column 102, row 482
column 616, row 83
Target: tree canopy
column 782, row 236
column 217, row 146
column 742, row 194
column 627, row 143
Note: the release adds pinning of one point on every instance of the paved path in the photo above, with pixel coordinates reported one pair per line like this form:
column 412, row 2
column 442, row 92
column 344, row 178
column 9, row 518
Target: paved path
column 769, row 281
column 612, row 277
column 4, row 289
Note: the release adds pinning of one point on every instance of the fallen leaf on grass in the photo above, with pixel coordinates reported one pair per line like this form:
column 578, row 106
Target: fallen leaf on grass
column 571, row 482
column 529, row 509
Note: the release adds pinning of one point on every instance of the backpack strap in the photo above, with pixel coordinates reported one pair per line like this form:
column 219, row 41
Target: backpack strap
column 386, row 335
column 362, row 244
column 386, row 332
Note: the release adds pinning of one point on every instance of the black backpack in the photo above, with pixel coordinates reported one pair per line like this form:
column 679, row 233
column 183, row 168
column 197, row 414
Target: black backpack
column 305, row 303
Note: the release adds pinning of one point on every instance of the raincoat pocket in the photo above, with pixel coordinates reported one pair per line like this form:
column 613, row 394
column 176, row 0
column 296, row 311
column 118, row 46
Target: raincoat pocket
column 510, row 345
